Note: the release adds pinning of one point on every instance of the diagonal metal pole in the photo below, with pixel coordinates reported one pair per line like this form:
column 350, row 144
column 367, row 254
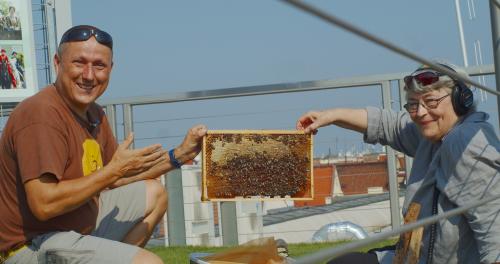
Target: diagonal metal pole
column 495, row 2
column 330, row 253
column 366, row 35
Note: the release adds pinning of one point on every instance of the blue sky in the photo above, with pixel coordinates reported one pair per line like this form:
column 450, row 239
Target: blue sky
column 164, row 47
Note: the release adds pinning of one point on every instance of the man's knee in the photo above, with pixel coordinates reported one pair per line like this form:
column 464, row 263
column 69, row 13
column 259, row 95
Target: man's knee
column 156, row 196
column 144, row 256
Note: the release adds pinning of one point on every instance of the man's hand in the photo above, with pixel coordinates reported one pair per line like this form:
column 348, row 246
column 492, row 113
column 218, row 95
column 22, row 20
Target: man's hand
column 191, row 145
column 153, row 166
column 129, row 162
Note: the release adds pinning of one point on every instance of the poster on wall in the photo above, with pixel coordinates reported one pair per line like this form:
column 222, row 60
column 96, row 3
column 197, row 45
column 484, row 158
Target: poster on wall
column 17, row 52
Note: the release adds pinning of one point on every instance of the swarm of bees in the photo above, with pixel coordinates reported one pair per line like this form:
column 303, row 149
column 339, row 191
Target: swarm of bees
column 248, row 165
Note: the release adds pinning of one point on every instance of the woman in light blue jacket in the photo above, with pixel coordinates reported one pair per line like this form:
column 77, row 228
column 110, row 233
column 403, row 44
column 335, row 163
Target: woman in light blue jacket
column 456, row 161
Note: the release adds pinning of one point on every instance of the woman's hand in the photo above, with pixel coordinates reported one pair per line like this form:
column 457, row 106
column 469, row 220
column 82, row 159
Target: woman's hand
column 312, row 120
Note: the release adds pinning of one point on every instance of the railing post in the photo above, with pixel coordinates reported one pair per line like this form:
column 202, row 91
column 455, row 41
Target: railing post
column 402, row 102
column 111, row 115
column 229, row 224
column 175, row 214
column 128, row 125
column 391, row 164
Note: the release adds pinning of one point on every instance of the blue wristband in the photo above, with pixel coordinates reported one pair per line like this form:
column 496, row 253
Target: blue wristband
column 173, row 160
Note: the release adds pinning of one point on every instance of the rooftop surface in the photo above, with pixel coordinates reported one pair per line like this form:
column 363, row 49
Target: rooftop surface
column 280, row 215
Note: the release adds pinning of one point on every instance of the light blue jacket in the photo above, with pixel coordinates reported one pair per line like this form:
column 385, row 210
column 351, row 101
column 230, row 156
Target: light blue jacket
column 465, row 167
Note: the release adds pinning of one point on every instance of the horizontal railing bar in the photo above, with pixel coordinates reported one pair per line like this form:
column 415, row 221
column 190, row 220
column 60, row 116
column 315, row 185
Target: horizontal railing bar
column 275, row 88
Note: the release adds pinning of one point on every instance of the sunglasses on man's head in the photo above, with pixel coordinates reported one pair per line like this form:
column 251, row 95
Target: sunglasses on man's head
column 84, row 33
column 424, row 78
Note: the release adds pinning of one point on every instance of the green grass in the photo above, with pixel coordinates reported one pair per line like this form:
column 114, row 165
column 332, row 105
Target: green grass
column 181, row 254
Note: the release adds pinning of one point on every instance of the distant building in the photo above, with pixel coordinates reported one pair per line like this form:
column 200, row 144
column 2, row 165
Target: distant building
column 326, row 185
column 351, row 175
column 360, row 178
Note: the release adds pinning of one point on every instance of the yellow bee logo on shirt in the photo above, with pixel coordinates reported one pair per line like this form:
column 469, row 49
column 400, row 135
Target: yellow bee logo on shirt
column 92, row 159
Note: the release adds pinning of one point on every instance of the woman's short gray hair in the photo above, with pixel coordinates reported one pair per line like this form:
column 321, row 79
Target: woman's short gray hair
column 444, row 81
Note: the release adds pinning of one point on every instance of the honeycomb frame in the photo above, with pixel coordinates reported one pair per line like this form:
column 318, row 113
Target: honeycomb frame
column 229, row 156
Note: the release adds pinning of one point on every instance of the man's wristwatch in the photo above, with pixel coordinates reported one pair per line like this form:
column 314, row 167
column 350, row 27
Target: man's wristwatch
column 176, row 163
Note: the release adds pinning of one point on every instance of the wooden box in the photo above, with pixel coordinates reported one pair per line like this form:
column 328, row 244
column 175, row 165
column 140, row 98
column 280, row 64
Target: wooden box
column 257, row 164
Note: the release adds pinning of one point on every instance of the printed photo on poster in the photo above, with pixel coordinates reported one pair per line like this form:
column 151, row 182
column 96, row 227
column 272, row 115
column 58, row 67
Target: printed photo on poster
column 10, row 22
column 12, row 67
column 17, row 51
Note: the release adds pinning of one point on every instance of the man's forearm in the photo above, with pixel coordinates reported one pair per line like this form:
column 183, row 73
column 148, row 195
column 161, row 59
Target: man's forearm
column 49, row 197
column 181, row 153
column 152, row 173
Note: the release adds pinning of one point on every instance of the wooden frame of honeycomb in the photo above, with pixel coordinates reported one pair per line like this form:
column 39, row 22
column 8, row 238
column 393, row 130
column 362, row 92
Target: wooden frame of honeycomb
column 257, row 164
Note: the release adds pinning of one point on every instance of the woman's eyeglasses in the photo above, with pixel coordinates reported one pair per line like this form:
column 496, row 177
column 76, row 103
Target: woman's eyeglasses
column 424, row 78
column 83, row 33
column 412, row 107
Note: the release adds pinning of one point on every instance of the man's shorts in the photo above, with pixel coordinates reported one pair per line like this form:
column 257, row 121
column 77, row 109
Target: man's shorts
column 120, row 210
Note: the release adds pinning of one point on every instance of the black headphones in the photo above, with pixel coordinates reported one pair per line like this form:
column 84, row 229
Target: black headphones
column 462, row 97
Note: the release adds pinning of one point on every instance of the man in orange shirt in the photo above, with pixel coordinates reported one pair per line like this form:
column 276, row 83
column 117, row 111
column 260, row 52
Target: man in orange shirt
column 68, row 192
